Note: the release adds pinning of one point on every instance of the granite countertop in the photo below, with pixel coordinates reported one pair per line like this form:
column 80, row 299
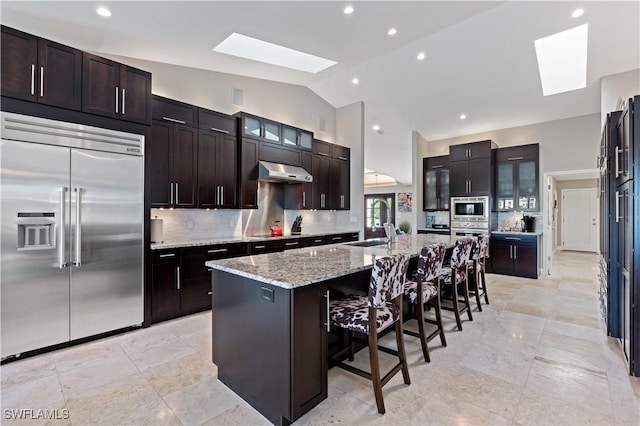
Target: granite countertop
column 300, row 267
column 196, row 242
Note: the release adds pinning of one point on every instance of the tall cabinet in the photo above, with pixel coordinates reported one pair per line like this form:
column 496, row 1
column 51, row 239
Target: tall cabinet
column 470, row 168
column 621, row 167
column 435, row 183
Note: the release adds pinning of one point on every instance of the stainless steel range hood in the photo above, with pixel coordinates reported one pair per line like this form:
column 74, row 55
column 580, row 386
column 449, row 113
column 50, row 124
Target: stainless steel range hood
column 274, row 172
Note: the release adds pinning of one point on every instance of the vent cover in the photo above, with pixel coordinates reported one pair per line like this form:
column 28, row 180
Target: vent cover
column 237, row 96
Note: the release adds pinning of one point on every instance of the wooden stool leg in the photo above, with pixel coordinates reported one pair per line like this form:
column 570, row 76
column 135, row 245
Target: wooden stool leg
column 456, row 310
column 351, row 345
column 476, row 280
column 375, row 369
column 465, row 293
column 401, row 353
column 484, row 287
column 423, row 338
column 438, row 310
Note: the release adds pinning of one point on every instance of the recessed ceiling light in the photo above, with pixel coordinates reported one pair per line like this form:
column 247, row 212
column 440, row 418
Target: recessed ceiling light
column 348, row 10
column 463, row 116
column 263, row 51
column 392, row 31
column 103, row 11
column 355, row 80
column 577, row 13
column 375, row 127
column 421, row 56
column 562, row 60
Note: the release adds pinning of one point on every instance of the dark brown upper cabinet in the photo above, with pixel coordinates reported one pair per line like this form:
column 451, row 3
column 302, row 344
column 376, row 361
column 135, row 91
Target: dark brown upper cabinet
column 517, row 178
column 262, row 129
column 295, row 137
column 249, row 154
column 115, row 90
column 40, row 70
column 436, row 183
column 471, row 169
column 172, row 111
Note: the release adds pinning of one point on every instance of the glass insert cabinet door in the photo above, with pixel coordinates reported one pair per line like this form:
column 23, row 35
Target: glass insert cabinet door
column 289, row 136
column 430, row 196
column 271, row 131
column 505, row 186
column 443, row 203
column 527, row 185
column 252, row 127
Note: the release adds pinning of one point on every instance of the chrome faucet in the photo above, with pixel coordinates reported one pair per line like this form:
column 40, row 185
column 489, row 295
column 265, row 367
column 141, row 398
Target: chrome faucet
column 389, row 229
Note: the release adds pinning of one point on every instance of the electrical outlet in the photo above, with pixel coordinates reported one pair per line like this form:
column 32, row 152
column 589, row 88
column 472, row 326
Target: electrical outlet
column 190, row 224
column 232, row 223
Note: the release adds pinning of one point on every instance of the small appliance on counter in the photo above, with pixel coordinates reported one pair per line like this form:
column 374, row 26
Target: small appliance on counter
column 276, row 231
column 156, row 230
column 528, row 223
column 296, row 228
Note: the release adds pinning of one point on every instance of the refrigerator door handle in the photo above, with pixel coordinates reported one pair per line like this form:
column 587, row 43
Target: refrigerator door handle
column 78, row 239
column 62, row 256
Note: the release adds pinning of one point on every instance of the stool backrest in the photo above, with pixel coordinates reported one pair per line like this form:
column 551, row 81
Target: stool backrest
column 461, row 252
column 484, row 245
column 430, row 262
column 475, row 249
column 387, row 279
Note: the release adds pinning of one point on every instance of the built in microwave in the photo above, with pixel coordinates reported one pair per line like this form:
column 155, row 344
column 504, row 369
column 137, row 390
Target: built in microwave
column 470, row 209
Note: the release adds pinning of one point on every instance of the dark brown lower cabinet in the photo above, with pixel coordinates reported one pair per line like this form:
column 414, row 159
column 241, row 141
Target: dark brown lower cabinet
column 514, row 254
column 165, row 285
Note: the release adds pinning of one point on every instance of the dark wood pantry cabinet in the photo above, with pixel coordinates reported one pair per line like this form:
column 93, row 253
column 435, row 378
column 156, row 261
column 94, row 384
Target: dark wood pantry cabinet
column 115, row 90
column 435, row 183
column 40, row 70
column 249, row 154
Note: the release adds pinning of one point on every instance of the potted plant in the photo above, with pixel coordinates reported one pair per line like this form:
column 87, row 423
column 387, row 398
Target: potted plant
column 405, row 227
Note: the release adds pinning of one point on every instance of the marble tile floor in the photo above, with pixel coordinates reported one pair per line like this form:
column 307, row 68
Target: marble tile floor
column 536, row 355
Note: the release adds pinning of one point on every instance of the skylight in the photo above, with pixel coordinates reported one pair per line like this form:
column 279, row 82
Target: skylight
column 562, row 60
column 263, row 51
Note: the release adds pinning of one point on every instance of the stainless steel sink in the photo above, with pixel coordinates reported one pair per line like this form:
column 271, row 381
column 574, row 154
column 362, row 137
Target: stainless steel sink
column 368, row 243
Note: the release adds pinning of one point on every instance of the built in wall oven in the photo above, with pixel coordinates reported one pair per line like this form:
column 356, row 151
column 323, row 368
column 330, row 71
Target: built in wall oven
column 469, row 215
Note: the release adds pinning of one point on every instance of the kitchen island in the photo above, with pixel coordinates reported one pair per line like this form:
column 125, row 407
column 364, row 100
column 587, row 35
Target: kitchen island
column 270, row 319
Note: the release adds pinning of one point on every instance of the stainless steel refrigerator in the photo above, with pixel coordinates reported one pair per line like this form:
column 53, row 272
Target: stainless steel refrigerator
column 72, row 232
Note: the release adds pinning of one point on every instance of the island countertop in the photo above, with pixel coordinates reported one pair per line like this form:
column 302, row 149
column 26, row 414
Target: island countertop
column 300, row 267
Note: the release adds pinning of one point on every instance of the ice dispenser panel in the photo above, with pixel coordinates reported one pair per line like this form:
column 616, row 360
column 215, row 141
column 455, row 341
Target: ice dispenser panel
column 36, row 231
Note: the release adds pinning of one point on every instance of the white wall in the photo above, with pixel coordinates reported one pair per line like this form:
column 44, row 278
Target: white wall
column 285, row 103
column 623, row 85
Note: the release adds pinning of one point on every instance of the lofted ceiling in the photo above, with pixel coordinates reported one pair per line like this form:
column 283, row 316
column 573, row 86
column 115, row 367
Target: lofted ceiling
column 480, row 57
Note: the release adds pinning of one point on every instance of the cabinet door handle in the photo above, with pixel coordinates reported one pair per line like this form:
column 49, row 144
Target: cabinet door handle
column 262, row 132
column 174, row 120
column 515, row 252
column 617, row 206
column 617, row 165
column 167, row 255
column 215, row 129
column 178, row 277
column 171, row 194
column 436, row 167
column 177, row 199
column 328, row 322
column 304, row 199
column 514, row 158
column 470, row 186
column 117, row 89
column 510, row 252
column 221, row 195
column 323, row 154
column 33, row 79
column 123, row 100
column 222, row 250
column 209, row 293
column 42, row 82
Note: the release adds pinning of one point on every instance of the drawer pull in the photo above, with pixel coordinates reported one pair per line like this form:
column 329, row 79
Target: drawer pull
column 342, row 158
column 336, row 238
column 222, row 250
column 323, row 154
column 317, row 241
column 514, row 158
column 259, row 247
column 168, row 255
column 291, row 244
column 210, row 293
column 437, row 167
column 174, row 120
column 215, row 129
column 512, row 238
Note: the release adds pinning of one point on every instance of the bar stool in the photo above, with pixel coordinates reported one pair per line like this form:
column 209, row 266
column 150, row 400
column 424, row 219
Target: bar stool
column 425, row 288
column 371, row 315
column 477, row 266
column 456, row 275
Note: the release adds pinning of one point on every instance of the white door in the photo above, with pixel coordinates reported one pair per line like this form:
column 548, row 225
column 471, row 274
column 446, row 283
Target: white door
column 579, row 219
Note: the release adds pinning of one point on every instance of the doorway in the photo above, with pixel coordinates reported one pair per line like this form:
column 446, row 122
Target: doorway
column 376, row 214
column 580, row 219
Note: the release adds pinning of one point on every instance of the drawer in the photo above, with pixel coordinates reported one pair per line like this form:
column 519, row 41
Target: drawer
column 166, row 256
column 341, row 152
column 322, row 148
column 216, row 122
column 278, row 154
column 317, row 241
column 515, row 238
column 172, row 111
column 258, row 247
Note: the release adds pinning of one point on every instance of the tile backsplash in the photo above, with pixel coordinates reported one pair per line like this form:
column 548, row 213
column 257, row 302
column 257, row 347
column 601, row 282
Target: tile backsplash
column 435, row 218
column 510, row 221
column 181, row 224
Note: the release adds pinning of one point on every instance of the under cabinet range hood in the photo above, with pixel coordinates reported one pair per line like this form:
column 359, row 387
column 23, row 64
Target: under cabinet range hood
column 274, row 172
